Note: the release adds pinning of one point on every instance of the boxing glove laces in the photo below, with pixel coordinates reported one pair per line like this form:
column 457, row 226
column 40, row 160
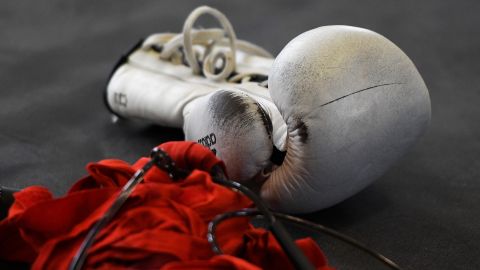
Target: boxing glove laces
column 324, row 119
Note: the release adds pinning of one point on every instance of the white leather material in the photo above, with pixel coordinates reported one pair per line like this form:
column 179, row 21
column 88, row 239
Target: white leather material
column 354, row 103
column 146, row 87
column 241, row 126
column 156, row 90
column 261, row 95
column 229, row 124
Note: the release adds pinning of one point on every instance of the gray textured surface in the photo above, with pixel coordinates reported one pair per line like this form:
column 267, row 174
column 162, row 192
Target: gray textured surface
column 55, row 57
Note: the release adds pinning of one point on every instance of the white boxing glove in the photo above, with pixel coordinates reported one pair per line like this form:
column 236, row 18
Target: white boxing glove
column 353, row 104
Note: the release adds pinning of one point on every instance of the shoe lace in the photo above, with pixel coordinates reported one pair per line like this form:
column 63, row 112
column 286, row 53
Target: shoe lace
column 209, row 52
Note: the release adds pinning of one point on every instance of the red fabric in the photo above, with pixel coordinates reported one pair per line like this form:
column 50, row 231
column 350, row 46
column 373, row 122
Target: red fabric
column 163, row 225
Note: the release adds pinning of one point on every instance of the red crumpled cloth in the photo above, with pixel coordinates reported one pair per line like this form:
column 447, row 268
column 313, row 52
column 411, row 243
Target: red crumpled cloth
column 163, row 225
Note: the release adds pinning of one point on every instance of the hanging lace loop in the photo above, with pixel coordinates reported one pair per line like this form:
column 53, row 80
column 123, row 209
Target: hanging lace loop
column 228, row 57
column 211, row 52
column 201, row 37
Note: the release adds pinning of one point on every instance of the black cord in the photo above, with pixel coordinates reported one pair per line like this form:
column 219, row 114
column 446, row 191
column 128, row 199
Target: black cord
column 212, row 226
column 159, row 159
column 297, row 257
column 122, row 197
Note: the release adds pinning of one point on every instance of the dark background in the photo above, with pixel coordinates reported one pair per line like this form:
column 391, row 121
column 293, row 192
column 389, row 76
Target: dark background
column 55, row 57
